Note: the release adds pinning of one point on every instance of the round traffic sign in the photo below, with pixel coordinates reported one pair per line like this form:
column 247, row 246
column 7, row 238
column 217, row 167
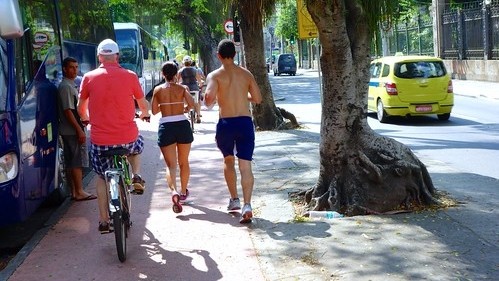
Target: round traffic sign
column 41, row 37
column 229, row 26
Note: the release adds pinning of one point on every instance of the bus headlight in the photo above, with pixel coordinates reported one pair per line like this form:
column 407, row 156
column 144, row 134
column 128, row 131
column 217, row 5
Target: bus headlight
column 8, row 167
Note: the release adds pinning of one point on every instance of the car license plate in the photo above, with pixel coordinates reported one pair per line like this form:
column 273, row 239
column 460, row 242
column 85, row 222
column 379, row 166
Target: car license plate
column 286, row 67
column 424, row 108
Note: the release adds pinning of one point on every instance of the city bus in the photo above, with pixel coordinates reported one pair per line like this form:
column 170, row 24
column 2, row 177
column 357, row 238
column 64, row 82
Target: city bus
column 35, row 36
column 140, row 52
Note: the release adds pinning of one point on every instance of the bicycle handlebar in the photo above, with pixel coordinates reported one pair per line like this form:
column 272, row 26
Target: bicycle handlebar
column 145, row 118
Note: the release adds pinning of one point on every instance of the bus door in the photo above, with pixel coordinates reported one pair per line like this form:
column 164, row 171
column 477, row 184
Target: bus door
column 39, row 129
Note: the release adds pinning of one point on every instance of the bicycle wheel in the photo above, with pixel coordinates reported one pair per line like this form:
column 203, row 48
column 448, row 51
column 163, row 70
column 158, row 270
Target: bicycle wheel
column 126, row 204
column 120, row 234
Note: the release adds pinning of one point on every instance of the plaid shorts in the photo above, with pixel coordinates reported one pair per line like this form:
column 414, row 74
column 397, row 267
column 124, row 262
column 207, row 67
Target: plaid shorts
column 101, row 164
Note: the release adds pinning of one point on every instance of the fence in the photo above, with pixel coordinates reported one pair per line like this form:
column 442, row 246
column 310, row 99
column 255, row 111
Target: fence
column 413, row 36
column 471, row 31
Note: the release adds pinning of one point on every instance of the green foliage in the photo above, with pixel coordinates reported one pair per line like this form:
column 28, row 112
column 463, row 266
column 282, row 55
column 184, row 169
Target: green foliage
column 179, row 21
column 287, row 20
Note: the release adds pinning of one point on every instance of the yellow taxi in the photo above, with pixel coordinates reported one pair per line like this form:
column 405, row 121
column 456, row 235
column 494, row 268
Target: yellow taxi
column 408, row 86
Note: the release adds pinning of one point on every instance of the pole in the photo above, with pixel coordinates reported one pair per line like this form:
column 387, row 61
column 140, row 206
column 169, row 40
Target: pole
column 319, row 67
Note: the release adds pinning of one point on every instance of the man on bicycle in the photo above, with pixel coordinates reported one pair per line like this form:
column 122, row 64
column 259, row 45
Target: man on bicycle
column 108, row 95
column 190, row 77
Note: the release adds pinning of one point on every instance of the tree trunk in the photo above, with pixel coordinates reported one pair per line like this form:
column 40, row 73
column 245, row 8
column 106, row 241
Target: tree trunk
column 361, row 172
column 266, row 115
column 207, row 44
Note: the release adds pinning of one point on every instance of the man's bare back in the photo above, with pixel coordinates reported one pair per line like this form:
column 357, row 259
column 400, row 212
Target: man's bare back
column 234, row 88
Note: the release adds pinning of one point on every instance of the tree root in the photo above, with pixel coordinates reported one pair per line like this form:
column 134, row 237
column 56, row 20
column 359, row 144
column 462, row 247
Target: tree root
column 290, row 116
column 377, row 176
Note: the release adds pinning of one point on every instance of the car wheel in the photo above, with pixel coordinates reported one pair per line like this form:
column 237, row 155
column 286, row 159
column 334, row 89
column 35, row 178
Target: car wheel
column 443, row 117
column 381, row 113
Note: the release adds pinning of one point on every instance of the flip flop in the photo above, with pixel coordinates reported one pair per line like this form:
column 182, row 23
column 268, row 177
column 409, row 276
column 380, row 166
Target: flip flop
column 89, row 197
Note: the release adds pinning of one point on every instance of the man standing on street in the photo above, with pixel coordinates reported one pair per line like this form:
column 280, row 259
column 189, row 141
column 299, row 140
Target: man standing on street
column 72, row 131
column 234, row 88
column 108, row 95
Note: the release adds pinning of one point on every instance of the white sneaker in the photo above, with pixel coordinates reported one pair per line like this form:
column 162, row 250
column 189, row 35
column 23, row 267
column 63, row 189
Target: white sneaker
column 234, row 204
column 247, row 214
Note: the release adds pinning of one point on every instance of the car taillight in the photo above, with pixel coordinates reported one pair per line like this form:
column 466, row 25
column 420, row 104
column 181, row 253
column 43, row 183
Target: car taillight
column 391, row 89
column 450, row 89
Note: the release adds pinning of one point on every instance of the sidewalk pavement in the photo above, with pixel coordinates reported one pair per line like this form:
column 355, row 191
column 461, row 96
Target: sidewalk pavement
column 478, row 89
column 206, row 243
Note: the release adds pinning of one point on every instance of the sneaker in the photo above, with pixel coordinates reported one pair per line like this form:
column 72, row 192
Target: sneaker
column 138, row 184
column 183, row 197
column 105, row 227
column 247, row 214
column 177, row 207
column 234, row 204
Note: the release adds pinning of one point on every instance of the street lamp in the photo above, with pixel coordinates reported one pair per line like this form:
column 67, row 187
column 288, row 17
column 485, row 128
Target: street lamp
column 271, row 32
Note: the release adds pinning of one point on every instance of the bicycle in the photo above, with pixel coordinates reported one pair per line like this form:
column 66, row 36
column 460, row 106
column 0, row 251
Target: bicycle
column 119, row 185
column 192, row 112
column 118, row 182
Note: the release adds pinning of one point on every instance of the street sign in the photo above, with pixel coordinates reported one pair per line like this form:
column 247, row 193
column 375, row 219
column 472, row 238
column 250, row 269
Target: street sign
column 41, row 37
column 306, row 26
column 229, row 26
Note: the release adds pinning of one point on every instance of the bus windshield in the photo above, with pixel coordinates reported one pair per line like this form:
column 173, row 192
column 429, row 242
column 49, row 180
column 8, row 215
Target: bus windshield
column 127, row 40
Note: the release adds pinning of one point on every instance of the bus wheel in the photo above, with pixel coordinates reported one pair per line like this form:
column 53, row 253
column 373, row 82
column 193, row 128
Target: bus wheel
column 61, row 188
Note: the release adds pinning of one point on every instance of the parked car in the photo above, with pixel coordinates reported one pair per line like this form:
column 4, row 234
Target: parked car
column 285, row 63
column 410, row 85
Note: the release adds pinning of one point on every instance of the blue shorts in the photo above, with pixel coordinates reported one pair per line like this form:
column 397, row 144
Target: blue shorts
column 175, row 132
column 100, row 164
column 238, row 133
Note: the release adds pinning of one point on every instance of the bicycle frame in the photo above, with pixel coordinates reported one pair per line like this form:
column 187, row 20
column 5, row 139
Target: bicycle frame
column 118, row 182
column 115, row 178
column 192, row 112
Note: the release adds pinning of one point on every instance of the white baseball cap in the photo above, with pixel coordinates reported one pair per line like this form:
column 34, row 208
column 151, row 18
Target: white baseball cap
column 187, row 59
column 107, row 47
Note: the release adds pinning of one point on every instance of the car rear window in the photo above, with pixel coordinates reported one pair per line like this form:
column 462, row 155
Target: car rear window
column 420, row 69
column 287, row 58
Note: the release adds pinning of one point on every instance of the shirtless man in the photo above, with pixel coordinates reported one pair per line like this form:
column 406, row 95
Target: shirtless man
column 234, row 88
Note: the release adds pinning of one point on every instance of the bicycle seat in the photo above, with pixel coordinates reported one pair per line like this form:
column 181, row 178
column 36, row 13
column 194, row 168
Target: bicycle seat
column 115, row 151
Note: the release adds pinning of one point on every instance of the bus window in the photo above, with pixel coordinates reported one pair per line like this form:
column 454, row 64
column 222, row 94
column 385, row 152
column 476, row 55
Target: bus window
column 130, row 55
column 138, row 50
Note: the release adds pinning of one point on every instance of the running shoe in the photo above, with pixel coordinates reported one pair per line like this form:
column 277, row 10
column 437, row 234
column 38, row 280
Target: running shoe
column 234, row 204
column 246, row 214
column 177, row 207
column 138, row 184
column 183, row 197
column 105, row 227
